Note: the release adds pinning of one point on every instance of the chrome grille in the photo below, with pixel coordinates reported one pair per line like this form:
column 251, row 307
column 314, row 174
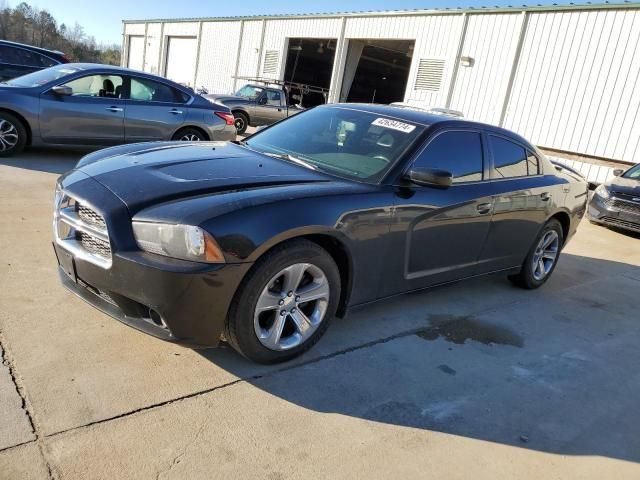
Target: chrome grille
column 90, row 216
column 95, row 245
column 81, row 230
column 623, row 205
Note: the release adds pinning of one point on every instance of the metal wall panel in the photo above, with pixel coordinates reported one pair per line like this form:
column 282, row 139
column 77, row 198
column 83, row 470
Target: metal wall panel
column 479, row 90
column 250, row 50
column 134, row 28
column 576, row 85
column 218, row 47
column 152, row 52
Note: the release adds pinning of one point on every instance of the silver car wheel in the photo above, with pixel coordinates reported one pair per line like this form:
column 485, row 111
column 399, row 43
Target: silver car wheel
column 291, row 306
column 190, row 137
column 239, row 123
column 8, row 135
column 545, row 255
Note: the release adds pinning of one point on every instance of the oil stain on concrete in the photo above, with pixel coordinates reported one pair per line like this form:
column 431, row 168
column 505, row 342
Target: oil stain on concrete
column 459, row 329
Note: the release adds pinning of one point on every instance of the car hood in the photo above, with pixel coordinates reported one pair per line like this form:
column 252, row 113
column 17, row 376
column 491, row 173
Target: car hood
column 626, row 186
column 224, row 99
column 147, row 174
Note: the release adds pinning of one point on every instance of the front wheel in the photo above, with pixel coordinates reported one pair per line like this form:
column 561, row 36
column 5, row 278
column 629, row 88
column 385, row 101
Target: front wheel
column 285, row 304
column 542, row 258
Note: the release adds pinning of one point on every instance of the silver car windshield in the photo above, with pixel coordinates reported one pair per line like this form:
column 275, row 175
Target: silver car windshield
column 249, row 91
column 345, row 142
column 42, row 77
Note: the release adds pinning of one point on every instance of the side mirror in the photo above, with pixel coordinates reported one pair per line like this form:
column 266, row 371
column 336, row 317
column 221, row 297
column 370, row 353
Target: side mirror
column 430, row 177
column 62, row 90
column 262, row 101
column 617, row 172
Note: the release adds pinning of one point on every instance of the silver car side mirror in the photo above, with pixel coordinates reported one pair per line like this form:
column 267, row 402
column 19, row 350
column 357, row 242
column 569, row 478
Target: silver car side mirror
column 617, row 172
column 62, row 90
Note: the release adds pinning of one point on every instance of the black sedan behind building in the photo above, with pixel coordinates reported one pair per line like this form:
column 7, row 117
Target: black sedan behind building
column 264, row 241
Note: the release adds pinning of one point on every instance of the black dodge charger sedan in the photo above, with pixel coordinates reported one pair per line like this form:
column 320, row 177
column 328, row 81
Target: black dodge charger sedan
column 263, row 242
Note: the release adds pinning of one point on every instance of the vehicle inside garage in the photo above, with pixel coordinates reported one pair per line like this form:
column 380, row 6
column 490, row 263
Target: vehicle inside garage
column 376, row 71
column 310, row 61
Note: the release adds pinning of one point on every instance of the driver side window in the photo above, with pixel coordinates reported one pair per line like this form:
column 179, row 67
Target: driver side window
column 458, row 152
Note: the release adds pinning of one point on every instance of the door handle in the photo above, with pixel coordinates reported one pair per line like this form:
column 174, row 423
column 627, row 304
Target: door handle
column 115, row 109
column 175, row 111
column 483, row 208
column 545, row 196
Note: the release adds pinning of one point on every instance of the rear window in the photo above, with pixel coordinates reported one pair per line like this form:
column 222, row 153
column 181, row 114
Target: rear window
column 509, row 159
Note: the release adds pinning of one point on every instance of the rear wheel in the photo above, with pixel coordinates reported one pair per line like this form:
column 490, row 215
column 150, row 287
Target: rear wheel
column 542, row 258
column 13, row 135
column 241, row 122
column 190, row 134
column 285, row 304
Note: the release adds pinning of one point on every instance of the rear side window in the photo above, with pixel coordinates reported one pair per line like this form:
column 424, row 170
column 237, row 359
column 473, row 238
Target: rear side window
column 21, row 56
column 510, row 160
column 146, row 90
column 9, row 55
column 457, row 152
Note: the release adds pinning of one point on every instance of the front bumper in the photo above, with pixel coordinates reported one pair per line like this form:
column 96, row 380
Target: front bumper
column 177, row 301
column 614, row 212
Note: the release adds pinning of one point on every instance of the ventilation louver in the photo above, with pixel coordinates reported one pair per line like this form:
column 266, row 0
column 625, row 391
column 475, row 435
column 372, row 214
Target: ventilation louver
column 430, row 73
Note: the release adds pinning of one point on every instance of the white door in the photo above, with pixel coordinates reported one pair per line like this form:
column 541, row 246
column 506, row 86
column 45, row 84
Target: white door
column 181, row 59
column 136, row 52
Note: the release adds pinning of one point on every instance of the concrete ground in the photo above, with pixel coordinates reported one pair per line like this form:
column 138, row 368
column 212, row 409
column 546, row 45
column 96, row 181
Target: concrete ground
column 478, row 380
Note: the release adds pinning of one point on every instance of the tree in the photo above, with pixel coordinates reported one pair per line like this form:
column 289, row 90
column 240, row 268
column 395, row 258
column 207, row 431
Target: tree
column 26, row 24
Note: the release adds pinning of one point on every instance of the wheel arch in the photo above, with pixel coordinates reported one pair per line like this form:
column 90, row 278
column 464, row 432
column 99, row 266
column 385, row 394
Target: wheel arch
column 334, row 243
column 23, row 120
column 565, row 221
column 194, row 127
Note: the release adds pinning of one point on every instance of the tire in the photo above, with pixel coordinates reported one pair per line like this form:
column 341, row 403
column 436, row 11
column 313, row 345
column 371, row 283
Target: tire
column 241, row 122
column 190, row 134
column 13, row 135
column 251, row 333
column 531, row 276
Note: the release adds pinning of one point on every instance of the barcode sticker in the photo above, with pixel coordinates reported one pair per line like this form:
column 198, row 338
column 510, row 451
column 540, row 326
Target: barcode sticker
column 394, row 125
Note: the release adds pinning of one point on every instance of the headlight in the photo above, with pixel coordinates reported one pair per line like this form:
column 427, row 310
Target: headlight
column 602, row 192
column 185, row 242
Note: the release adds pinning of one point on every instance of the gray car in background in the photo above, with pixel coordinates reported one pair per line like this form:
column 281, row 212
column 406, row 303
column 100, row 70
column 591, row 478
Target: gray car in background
column 96, row 105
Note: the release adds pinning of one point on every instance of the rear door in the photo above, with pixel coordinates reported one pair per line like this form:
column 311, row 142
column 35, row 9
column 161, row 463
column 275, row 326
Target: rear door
column 155, row 110
column 521, row 200
column 92, row 115
column 438, row 233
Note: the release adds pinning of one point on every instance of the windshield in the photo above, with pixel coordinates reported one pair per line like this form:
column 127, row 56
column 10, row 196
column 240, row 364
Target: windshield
column 42, row 77
column 348, row 143
column 633, row 173
column 249, row 91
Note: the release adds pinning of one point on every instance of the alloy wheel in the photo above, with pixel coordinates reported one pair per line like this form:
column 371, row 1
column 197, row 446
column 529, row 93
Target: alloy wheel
column 8, row 135
column 190, row 137
column 291, row 306
column 545, row 255
column 239, row 122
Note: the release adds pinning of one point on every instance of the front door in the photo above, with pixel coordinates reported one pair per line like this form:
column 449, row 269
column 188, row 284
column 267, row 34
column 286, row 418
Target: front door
column 92, row 115
column 270, row 107
column 155, row 111
column 438, row 233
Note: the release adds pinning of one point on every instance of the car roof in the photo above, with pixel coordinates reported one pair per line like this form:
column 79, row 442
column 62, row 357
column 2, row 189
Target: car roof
column 428, row 119
column 31, row 47
column 123, row 70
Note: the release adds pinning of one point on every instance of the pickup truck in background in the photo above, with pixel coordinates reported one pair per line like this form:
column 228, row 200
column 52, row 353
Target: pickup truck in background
column 266, row 101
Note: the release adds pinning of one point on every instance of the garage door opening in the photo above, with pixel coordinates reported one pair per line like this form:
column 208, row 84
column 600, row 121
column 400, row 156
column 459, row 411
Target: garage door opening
column 135, row 57
column 310, row 61
column 376, row 71
column 181, row 59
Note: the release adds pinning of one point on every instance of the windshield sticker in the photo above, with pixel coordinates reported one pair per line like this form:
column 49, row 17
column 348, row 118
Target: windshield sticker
column 394, row 125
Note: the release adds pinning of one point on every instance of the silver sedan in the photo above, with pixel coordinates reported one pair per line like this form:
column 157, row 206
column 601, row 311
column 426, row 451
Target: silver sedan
column 95, row 105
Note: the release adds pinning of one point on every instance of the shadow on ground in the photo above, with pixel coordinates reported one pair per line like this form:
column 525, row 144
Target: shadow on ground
column 555, row 372
column 56, row 161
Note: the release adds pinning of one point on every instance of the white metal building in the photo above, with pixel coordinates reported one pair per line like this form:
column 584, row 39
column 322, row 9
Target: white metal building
column 567, row 78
